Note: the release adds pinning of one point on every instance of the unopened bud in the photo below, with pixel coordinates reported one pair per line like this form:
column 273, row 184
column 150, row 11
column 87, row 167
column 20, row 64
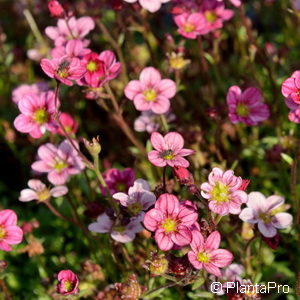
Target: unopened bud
column 183, row 175
column 93, row 147
column 244, row 185
column 56, row 9
column 157, row 264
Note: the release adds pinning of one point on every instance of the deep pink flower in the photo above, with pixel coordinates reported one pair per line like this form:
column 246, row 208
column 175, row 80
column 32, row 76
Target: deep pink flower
column 63, row 69
column 223, row 191
column 191, row 25
column 79, row 29
column 294, row 114
column 120, row 233
column 73, row 48
column 118, row 180
column 168, row 150
column 246, row 107
column 37, row 113
column 291, row 87
column 38, row 191
column 59, row 162
column 139, row 198
column 100, row 68
column 69, row 124
column 171, row 221
column 150, row 5
column 67, row 283
column 56, row 9
column 205, row 254
column 10, row 233
column 267, row 213
column 23, row 89
column 151, row 92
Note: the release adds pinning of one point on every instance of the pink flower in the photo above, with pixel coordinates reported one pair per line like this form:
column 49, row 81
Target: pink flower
column 151, row 92
column 291, row 87
column 55, row 8
column 246, row 107
column 118, row 181
column 73, row 48
column 79, row 29
column 67, row 283
column 118, row 232
column 139, row 198
column 223, row 191
column 191, row 25
column 38, row 191
column 294, row 114
column 37, row 113
column 59, row 162
column 236, row 3
column 171, row 221
column 100, row 68
column 267, row 213
column 63, row 69
column 10, row 233
column 150, row 5
column 168, row 150
column 205, row 254
column 69, row 124
column 23, row 89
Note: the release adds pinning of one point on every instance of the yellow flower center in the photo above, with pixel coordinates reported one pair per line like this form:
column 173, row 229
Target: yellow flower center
column 119, row 228
column 169, row 225
column 203, row 257
column 189, row 27
column 68, row 286
column 43, row 195
column 91, row 66
column 220, row 192
column 177, row 62
column 150, row 95
column 210, row 16
column 135, row 208
column 242, row 110
column 168, row 155
column 40, row 116
column 266, row 217
column 2, row 232
column 60, row 165
column 63, row 69
column 121, row 187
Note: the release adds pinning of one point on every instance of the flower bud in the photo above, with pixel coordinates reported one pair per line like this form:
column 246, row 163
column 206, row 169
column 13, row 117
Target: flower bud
column 244, row 185
column 56, row 9
column 93, row 147
column 183, row 175
column 131, row 289
column 157, row 265
column 179, row 266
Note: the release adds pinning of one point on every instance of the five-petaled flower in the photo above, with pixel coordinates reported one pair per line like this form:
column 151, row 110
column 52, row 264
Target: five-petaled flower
column 67, row 283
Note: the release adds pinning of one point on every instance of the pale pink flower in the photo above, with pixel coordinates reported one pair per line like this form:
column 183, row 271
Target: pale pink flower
column 191, row 25
column 10, row 233
column 223, row 191
column 291, row 87
column 246, row 107
column 267, row 213
column 64, row 69
column 59, row 162
column 120, row 233
column 73, row 48
column 168, row 150
column 139, row 198
column 150, row 5
column 37, row 114
column 38, row 191
column 100, row 68
column 23, row 89
column 151, row 92
column 67, row 283
column 171, row 221
column 205, row 254
column 68, row 122
column 79, row 29
column 118, row 180
column 294, row 114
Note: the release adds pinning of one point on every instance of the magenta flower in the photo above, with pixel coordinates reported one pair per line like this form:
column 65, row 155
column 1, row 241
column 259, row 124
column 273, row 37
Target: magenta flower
column 37, row 113
column 150, row 5
column 10, row 233
column 223, row 191
column 67, row 283
column 151, row 92
column 168, row 150
column 246, row 107
column 69, row 124
column 294, row 114
column 100, row 68
column 118, row 232
column 38, row 191
column 171, row 221
column 139, row 198
column 59, row 162
column 77, row 29
column 291, row 87
column 64, row 69
column 205, row 254
column 191, row 25
column 24, row 89
column 267, row 213
column 73, row 48
column 118, row 181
